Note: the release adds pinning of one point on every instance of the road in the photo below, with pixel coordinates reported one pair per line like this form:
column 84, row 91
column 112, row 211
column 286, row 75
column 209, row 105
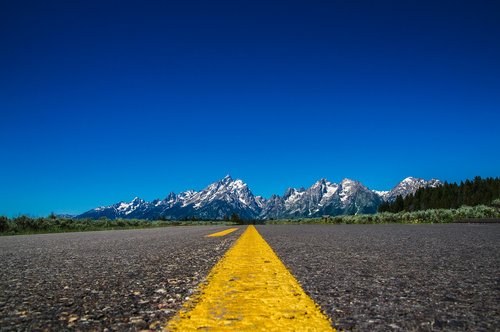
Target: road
column 397, row 277
column 365, row 277
column 121, row 280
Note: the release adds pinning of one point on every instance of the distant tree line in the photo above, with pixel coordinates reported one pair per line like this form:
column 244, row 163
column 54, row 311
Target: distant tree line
column 233, row 218
column 448, row 196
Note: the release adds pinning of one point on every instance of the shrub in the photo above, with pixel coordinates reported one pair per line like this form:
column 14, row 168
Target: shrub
column 496, row 203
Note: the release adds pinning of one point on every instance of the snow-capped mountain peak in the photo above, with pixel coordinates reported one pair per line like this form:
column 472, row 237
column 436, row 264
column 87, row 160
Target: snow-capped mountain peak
column 409, row 186
column 225, row 180
column 381, row 193
column 320, row 183
column 409, row 179
column 227, row 196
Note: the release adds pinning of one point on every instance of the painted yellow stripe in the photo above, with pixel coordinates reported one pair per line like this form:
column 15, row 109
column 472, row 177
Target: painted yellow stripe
column 226, row 232
column 250, row 289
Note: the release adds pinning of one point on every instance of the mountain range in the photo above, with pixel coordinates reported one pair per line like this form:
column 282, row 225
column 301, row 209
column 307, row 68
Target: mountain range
column 230, row 196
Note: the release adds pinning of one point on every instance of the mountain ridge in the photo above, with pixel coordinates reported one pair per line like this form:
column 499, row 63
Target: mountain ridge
column 229, row 196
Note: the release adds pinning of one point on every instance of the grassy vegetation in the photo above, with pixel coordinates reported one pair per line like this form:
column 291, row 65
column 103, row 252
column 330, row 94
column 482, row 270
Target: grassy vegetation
column 423, row 216
column 54, row 224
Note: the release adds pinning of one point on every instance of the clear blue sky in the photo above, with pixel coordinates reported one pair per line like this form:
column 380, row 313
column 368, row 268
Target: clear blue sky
column 101, row 101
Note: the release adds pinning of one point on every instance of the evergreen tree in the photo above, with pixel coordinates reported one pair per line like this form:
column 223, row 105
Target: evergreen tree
column 448, row 196
column 235, row 218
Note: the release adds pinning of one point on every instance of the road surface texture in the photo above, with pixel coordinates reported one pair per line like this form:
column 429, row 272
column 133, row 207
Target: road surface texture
column 116, row 280
column 397, row 277
column 365, row 277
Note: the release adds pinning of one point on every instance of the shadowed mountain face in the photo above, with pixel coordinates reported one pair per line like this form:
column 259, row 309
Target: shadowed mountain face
column 227, row 196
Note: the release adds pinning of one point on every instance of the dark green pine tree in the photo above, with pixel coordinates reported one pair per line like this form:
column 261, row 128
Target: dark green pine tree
column 398, row 204
column 235, row 217
column 448, row 196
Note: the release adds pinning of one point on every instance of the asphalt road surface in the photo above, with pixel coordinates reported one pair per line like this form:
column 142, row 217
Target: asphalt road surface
column 119, row 280
column 365, row 277
column 397, row 277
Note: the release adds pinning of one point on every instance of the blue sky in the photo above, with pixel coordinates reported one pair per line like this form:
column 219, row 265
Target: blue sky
column 101, row 101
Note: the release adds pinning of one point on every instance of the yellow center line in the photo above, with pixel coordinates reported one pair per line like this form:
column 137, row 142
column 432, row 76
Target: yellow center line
column 227, row 231
column 250, row 289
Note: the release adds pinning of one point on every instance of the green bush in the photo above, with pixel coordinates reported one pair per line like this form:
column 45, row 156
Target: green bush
column 496, row 203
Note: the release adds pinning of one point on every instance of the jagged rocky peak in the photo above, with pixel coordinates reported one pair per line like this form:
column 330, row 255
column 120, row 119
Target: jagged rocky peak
column 133, row 203
column 324, row 189
column 171, row 197
column 322, row 185
column 274, row 197
column 225, row 180
column 228, row 195
column 137, row 201
column 227, row 191
column 228, row 183
column 350, row 183
column 411, row 182
column 186, row 194
column 228, row 179
column 409, row 186
column 349, row 188
column 292, row 192
column 126, row 209
column 433, row 183
column 261, row 201
column 288, row 192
